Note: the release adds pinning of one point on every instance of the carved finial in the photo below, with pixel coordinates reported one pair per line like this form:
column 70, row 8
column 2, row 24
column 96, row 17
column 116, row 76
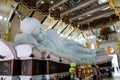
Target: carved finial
column 32, row 55
column 60, row 59
column 48, row 57
column 2, row 57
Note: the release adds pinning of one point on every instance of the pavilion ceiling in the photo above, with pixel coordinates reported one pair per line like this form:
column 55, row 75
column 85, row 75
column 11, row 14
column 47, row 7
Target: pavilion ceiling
column 75, row 12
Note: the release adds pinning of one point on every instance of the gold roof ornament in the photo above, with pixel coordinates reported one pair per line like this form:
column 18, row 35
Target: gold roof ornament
column 5, row 2
column 115, row 4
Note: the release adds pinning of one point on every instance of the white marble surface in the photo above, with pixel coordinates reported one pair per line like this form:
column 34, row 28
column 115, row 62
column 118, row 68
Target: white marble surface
column 9, row 77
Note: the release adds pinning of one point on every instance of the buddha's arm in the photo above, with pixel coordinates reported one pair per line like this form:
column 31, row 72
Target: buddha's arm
column 25, row 39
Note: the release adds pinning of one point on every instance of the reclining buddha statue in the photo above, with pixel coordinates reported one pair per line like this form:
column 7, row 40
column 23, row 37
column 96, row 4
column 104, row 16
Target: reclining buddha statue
column 33, row 33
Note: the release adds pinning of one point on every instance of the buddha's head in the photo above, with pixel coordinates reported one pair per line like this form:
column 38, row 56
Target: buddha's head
column 30, row 25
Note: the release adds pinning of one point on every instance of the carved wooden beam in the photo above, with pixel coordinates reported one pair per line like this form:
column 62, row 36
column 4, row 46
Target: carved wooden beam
column 104, row 14
column 104, row 21
column 57, row 4
column 99, row 22
column 79, row 6
column 98, row 8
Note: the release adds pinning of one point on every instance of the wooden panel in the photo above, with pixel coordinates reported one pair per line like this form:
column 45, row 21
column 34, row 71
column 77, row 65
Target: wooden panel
column 16, row 69
column 54, row 67
column 32, row 67
column 63, row 67
column 5, row 67
column 44, row 67
column 10, row 67
column 37, row 67
column 26, row 67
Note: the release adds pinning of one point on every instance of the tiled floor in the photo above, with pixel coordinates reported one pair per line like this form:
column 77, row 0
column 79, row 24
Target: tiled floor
column 111, row 78
column 116, row 76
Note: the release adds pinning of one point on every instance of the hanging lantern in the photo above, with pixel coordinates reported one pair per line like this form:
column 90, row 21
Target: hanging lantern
column 55, row 13
column 73, row 64
column 75, row 24
column 66, row 19
column 72, row 71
